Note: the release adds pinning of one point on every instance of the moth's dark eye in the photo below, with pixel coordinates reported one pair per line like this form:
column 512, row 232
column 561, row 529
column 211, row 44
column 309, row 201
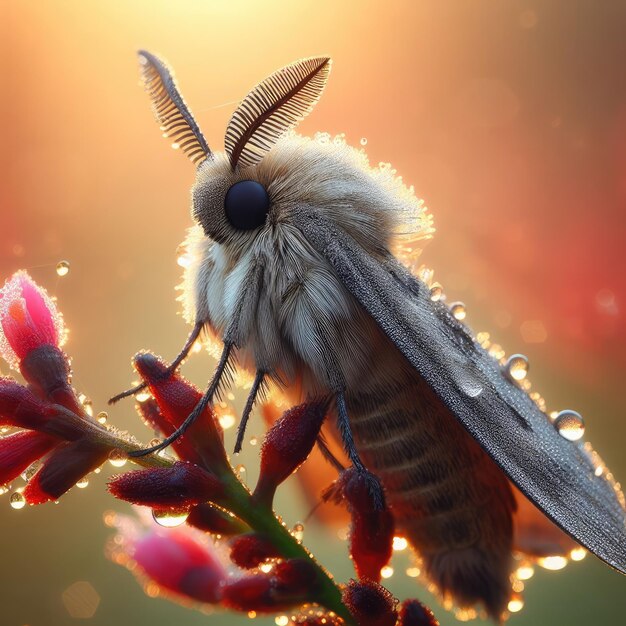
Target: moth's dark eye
column 246, row 205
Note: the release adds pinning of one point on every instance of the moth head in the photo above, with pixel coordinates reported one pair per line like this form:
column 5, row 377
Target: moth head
column 232, row 196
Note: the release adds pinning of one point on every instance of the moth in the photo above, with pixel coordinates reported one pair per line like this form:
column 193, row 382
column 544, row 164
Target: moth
column 292, row 265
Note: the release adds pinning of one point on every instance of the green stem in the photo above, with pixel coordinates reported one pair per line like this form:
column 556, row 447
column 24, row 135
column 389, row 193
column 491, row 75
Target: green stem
column 263, row 520
column 258, row 516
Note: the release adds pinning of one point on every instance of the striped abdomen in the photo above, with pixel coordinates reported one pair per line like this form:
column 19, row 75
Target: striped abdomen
column 449, row 498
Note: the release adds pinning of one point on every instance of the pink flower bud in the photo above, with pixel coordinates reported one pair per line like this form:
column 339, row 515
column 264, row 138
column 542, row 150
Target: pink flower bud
column 371, row 529
column 178, row 563
column 28, row 319
column 286, row 446
column 370, row 604
column 179, row 486
column 250, row 550
column 216, row 521
column 19, row 450
column 203, row 443
column 414, row 613
column 67, row 464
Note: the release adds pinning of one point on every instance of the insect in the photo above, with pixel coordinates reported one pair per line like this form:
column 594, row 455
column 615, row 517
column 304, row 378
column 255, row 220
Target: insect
column 291, row 264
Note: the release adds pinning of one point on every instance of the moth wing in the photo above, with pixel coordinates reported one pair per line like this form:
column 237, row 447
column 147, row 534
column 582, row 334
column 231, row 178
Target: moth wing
column 556, row 474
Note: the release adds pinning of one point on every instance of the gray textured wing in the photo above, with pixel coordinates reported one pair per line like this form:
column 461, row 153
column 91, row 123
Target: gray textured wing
column 556, row 474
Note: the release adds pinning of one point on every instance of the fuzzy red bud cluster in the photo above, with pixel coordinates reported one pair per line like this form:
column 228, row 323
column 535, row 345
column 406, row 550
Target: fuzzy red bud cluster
column 53, row 424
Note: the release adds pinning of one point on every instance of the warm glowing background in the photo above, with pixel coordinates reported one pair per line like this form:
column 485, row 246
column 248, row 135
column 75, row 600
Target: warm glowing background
column 509, row 117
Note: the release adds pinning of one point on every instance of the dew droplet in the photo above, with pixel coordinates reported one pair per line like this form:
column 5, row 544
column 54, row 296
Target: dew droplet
column 175, row 146
column 170, row 518
column 552, row 562
column 227, row 421
column 515, row 605
column 82, row 483
column 117, row 458
column 298, row 531
column 18, row 501
column 142, row 396
column 436, row 291
column 182, row 257
column 4, row 489
column 400, row 544
column 363, row 141
column 458, row 310
column 251, row 614
column 413, row 572
column 516, row 367
column 240, row 470
column 30, row 471
column 468, row 382
column 281, row 620
column 387, row 571
column 266, row 568
column 102, row 417
column 63, row 268
column 578, row 554
column 525, row 572
column 570, row 425
column 253, row 441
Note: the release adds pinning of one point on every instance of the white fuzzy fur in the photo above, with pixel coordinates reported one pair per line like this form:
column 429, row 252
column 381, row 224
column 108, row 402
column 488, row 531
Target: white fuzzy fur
column 303, row 313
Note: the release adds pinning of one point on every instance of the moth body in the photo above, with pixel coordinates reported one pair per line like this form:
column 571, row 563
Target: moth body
column 298, row 263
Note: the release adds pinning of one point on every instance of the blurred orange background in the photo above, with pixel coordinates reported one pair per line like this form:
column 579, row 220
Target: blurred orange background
column 508, row 117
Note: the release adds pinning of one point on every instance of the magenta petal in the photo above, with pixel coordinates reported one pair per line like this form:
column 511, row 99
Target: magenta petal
column 19, row 450
column 41, row 310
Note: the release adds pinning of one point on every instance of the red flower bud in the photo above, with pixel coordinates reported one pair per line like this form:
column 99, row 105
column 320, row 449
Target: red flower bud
column 19, row 450
column 252, row 593
column 372, row 529
column 175, row 561
column 295, row 575
column 67, row 464
column 179, row 486
column 21, row 407
column 250, row 550
column 47, row 370
column 414, row 613
column 203, row 443
column 370, row 604
column 286, row 446
column 216, row 521
column 28, row 319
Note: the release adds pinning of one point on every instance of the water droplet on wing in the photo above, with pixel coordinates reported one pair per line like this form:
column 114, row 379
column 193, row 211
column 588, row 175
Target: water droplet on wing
column 458, row 310
column 516, row 367
column 570, row 425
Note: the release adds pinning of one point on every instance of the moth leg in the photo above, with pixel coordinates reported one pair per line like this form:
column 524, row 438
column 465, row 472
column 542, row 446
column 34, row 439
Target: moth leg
column 182, row 355
column 252, row 396
column 343, row 421
column 221, row 370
